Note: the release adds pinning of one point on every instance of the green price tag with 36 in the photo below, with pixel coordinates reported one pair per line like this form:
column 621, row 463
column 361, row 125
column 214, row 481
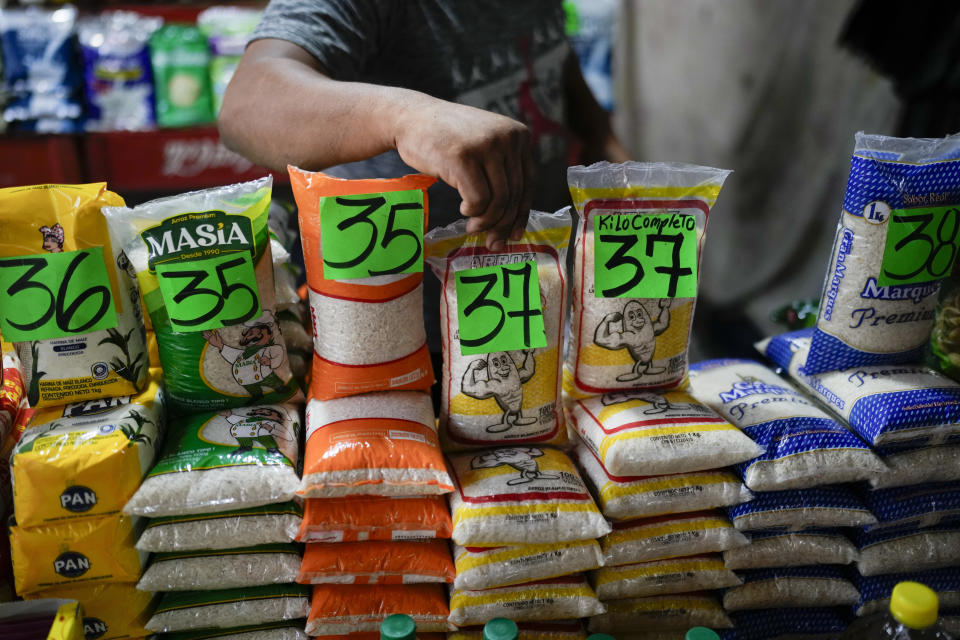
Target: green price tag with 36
column 373, row 234
column 645, row 256
column 55, row 295
column 921, row 245
column 499, row 309
column 209, row 293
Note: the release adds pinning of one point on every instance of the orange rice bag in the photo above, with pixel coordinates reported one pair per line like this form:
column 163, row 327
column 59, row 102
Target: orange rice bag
column 377, row 562
column 340, row 609
column 375, row 518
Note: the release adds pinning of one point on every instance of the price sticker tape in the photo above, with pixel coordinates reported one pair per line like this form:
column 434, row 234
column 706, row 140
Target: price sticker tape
column 209, row 293
column 921, row 245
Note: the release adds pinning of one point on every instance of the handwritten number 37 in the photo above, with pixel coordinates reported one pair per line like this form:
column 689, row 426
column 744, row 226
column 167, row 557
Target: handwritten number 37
column 391, row 233
column 483, row 300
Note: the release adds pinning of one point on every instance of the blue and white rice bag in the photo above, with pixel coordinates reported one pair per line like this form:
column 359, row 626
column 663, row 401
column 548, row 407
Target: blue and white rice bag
column 771, row 549
column 925, row 505
column 769, row 624
column 875, row 591
column 804, row 446
column 799, row 509
column 896, row 240
column 792, row 587
column 908, row 547
column 939, row 463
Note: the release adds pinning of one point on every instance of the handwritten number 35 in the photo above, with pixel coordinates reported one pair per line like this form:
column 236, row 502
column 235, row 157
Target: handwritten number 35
column 391, row 233
column 191, row 289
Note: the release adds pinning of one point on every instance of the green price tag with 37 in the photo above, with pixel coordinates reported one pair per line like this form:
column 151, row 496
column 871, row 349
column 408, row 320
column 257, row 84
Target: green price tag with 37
column 373, row 234
column 921, row 245
column 645, row 256
column 55, row 295
column 499, row 309
column 209, row 293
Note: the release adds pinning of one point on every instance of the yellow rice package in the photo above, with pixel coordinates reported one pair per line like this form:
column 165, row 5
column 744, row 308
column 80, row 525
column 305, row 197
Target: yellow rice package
column 502, row 316
column 48, row 619
column 565, row 630
column 86, row 458
column 641, row 232
column 488, row 567
column 670, row 536
column 557, row 599
column 110, row 611
column 663, row 577
column 661, row 613
column 72, row 310
column 89, row 551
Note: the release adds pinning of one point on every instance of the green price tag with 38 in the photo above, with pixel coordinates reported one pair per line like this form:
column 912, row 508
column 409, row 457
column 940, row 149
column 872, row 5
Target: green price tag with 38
column 209, row 293
column 921, row 245
column 55, row 295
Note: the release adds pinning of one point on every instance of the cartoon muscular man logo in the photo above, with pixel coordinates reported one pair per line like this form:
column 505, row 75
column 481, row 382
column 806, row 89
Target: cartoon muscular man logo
column 498, row 376
column 262, row 425
column 520, row 458
column 660, row 404
column 257, row 357
column 52, row 238
column 634, row 331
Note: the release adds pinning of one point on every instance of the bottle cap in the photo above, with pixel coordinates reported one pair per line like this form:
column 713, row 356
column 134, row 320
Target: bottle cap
column 914, row 605
column 500, row 629
column 701, row 633
column 398, row 627
column 600, row 636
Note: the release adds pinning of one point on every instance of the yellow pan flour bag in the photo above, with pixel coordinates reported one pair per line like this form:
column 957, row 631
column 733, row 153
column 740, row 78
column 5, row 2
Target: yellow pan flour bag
column 204, row 265
column 69, row 306
column 110, row 611
column 87, row 458
column 635, row 277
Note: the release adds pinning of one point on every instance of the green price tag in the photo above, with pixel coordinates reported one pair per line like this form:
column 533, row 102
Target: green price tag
column 921, row 245
column 55, row 295
column 374, row 234
column 645, row 256
column 499, row 309
column 209, row 293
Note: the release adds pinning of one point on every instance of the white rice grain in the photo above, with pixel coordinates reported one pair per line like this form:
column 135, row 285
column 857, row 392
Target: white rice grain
column 791, row 591
column 662, row 577
column 227, row 570
column 661, row 613
column 234, row 613
column 792, row 550
column 916, row 551
column 486, row 568
column 918, row 466
column 562, row 599
column 212, row 532
column 661, row 538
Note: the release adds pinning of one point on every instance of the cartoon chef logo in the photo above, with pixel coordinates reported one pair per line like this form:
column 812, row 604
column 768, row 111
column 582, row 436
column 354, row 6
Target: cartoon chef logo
column 261, row 426
column 257, row 357
column 635, row 331
column 52, row 238
column 501, row 376
column 660, row 403
column 523, row 459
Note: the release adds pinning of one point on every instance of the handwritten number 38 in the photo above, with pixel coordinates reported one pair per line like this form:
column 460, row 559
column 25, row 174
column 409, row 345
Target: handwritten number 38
column 933, row 250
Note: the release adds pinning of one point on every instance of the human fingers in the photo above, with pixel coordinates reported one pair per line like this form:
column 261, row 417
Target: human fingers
column 526, row 190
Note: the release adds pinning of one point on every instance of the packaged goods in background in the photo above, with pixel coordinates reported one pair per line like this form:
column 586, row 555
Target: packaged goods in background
column 556, row 599
column 765, row 624
column 924, row 505
column 110, row 611
column 669, row 537
column 771, row 549
column 621, row 343
column 875, row 591
column 180, row 58
column 521, row 495
column 90, row 343
column 944, row 352
column 879, row 296
column 790, row 587
column 489, row 567
column 906, row 548
column 221, row 569
column 661, row 613
column 86, row 458
column 88, row 551
column 222, row 461
column 939, row 463
column 228, row 29
column 569, row 630
column 510, row 394
column 282, row 630
column 359, row 518
column 269, row 524
column 12, row 392
column 228, row 608
column 643, row 433
column 368, row 332
column 299, row 345
column 804, row 446
column 377, row 562
column 341, row 609
column 379, row 443
column 799, row 509
column 663, row 577
column 218, row 351
column 50, row 618
column 626, row 497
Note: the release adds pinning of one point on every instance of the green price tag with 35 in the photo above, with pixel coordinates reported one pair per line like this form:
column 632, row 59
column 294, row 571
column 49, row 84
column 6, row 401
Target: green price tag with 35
column 921, row 245
column 499, row 309
column 209, row 293
column 373, row 234
column 55, row 295
column 645, row 256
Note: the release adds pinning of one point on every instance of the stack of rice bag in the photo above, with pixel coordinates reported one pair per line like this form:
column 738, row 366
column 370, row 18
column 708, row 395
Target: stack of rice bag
column 12, row 399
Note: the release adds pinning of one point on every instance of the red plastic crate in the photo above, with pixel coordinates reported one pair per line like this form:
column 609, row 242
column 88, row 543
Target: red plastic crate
column 38, row 160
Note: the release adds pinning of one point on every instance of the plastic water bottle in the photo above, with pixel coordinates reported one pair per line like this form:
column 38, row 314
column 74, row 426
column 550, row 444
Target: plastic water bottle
column 912, row 616
column 701, row 633
column 398, row 627
column 500, row 629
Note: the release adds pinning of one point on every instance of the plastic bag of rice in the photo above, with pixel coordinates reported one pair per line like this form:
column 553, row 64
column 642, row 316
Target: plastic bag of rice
column 906, row 405
column 219, row 343
column 908, row 548
column 341, row 609
column 799, row 509
column 284, row 275
column 790, row 587
column 110, row 611
column 375, row 635
column 282, row 630
column 87, row 458
column 269, row 524
column 643, row 433
column 521, row 495
column 631, row 329
column 879, row 295
column 770, row 624
column 661, row 613
column 556, row 599
column 669, row 537
column 805, row 447
column 489, row 567
column 359, row 518
column 771, row 549
column 498, row 390
column 378, row 443
column 662, row 577
column 221, row 569
column 625, row 497
column 226, row 608
column 376, row 562
column 925, row 505
column 368, row 332
column 916, row 466
column 568, row 630
column 875, row 591
column 222, row 461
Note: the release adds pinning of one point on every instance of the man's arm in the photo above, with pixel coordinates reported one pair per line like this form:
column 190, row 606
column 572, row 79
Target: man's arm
column 588, row 120
column 281, row 108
